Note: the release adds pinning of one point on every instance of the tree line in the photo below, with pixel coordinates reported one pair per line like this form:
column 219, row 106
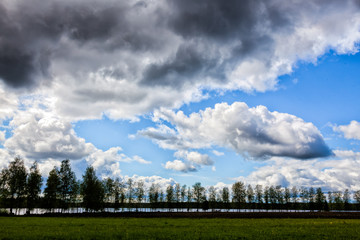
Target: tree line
column 20, row 188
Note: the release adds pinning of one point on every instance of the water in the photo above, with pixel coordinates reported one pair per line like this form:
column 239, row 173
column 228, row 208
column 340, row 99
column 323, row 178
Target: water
column 22, row 211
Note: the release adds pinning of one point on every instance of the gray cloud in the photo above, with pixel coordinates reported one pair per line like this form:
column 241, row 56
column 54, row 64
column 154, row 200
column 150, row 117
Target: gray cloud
column 136, row 56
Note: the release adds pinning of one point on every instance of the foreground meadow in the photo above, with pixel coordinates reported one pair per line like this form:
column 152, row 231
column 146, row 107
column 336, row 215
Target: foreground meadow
column 182, row 228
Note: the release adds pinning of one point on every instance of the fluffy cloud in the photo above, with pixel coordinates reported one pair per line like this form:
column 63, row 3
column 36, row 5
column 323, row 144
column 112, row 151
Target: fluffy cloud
column 253, row 132
column 8, row 103
column 195, row 157
column 133, row 56
column 179, row 165
column 191, row 162
column 39, row 134
column 335, row 174
column 148, row 180
column 107, row 163
column 351, row 131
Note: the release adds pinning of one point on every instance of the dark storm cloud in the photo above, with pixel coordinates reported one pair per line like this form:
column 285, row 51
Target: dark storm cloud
column 29, row 34
column 175, row 72
column 222, row 19
column 210, row 24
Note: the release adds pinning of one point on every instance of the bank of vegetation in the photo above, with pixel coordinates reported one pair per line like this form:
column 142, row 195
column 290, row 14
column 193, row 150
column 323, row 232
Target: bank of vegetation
column 22, row 188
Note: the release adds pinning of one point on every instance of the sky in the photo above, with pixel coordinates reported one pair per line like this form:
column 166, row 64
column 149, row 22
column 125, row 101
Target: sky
column 265, row 92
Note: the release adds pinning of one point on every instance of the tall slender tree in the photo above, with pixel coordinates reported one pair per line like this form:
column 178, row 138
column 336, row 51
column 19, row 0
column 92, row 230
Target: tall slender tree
column 33, row 186
column 346, row 199
column 287, row 197
column 311, row 198
column 177, row 195
column 4, row 187
column 212, row 197
column 169, row 196
column 17, row 182
column 294, row 197
column 320, row 199
column 67, row 180
column 239, row 194
column 258, row 194
column 250, row 195
column 118, row 194
column 109, row 191
column 225, row 197
column 198, row 194
column 130, row 191
column 139, row 192
column 154, row 195
column 52, row 190
column 92, row 190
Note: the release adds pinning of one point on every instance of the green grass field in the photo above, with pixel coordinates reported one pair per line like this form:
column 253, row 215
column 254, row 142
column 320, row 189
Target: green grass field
column 184, row 228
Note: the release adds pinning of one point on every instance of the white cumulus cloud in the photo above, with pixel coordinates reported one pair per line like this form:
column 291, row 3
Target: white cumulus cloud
column 351, row 131
column 254, row 132
column 336, row 174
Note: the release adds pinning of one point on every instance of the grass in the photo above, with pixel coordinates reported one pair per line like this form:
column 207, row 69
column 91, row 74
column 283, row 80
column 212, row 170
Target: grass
column 183, row 228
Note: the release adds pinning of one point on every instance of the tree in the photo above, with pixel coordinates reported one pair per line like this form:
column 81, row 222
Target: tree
column 140, row 192
column 169, row 196
column 109, row 190
column 198, row 194
column 67, row 182
column 279, row 194
column 304, row 195
column 189, row 196
column 92, row 190
column 239, row 194
column 338, row 200
column 177, row 195
column 119, row 195
column 154, row 195
column 311, row 198
column 225, row 197
column 258, row 194
column 330, row 199
column 212, row 197
column 357, row 199
column 272, row 196
column 4, row 186
column 33, row 186
column 287, row 197
column 250, row 195
column 267, row 196
column 294, row 196
column 130, row 190
column 346, row 199
column 52, row 190
column 357, row 196
column 17, row 175
column 183, row 193
column 320, row 199
column 74, row 197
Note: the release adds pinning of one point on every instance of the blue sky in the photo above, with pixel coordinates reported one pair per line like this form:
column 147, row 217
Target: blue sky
column 182, row 91
column 316, row 92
